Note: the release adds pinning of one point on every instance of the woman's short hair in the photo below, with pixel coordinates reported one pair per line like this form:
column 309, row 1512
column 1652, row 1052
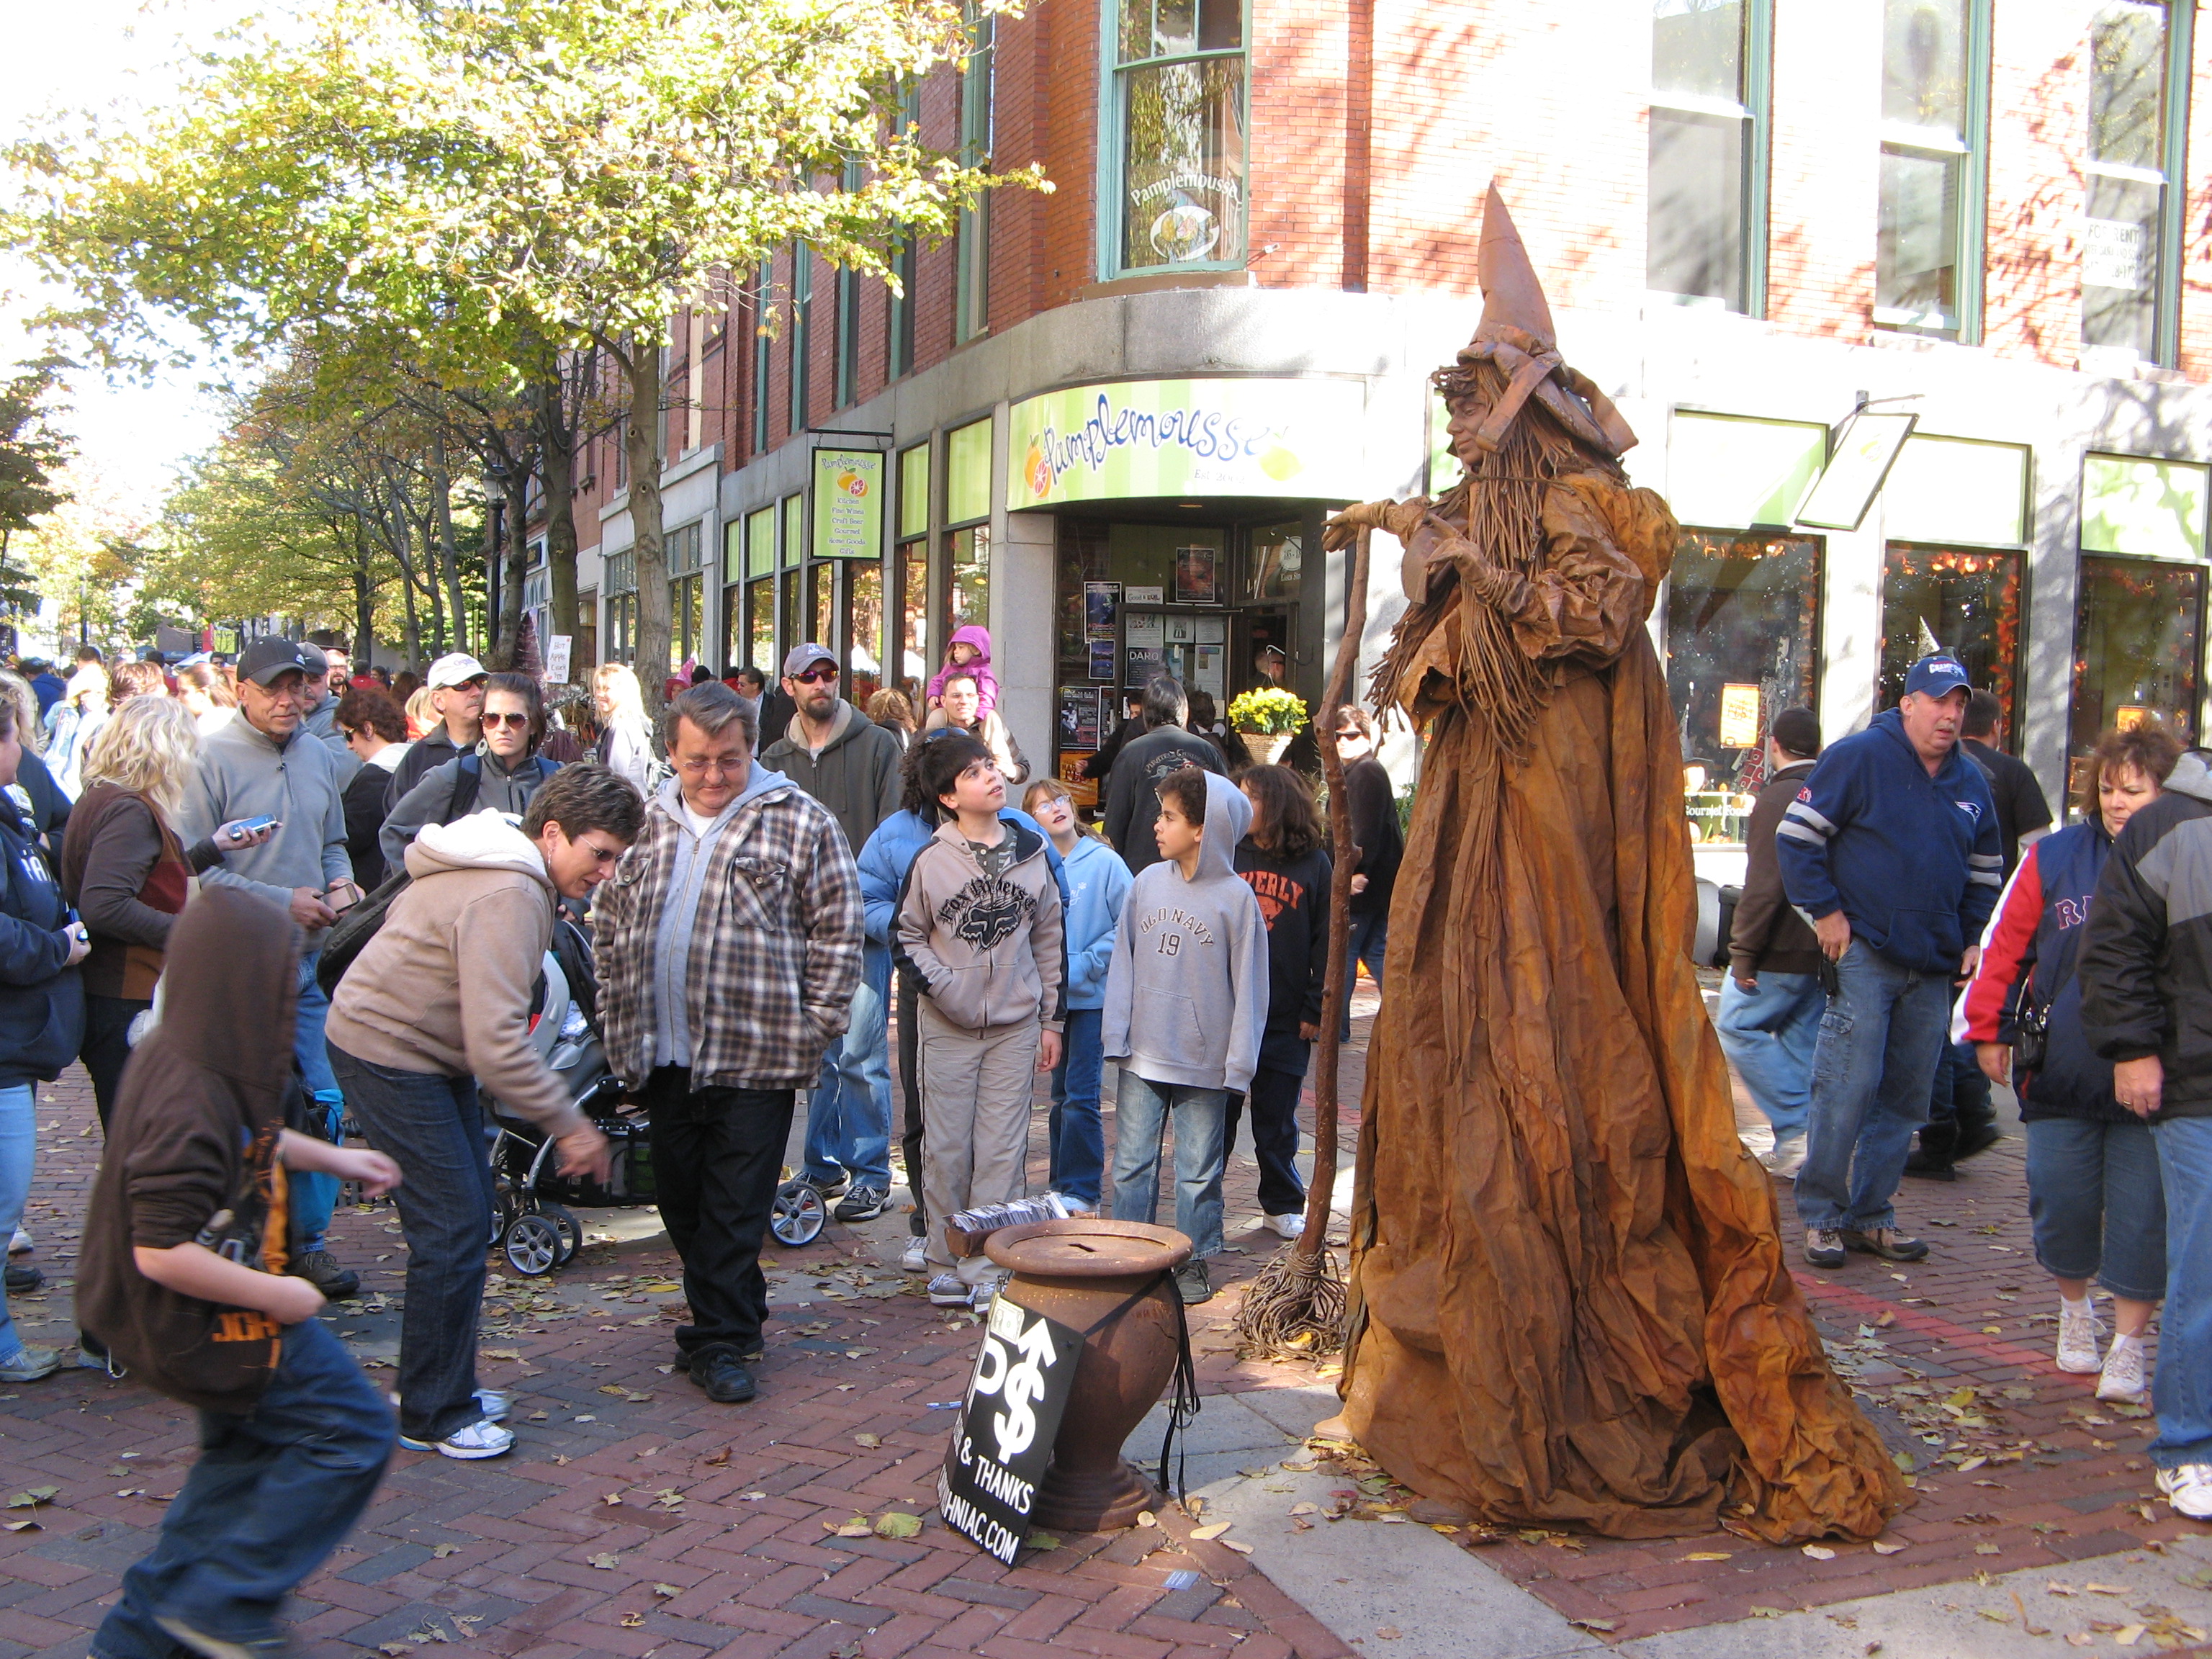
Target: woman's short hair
column 525, row 686
column 148, row 746
column 139, row 680
column 1358, row 719
column 586, row 796
column 2147, row 746
column 939, row 763
column 419, row 710
column 364, row 708
column 90, row 678
column 1286, row 813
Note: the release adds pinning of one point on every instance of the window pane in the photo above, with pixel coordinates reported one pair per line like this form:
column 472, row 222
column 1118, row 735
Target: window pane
column 787, row 587
column 1694, row 243
column 1742, row 613
column 821, row 612
column 760, row 542
column 914, row 491
column 2136, row 650
column 1278, row 562
column 1948, row 599
column 760, row 627
column 1182, row 163
column 1696, row 47
column 914, row 618
column 970, row 600
column 1174, row 27
column 794, row 530
column 968, row 473
column 2127, row 84
column 1136, row 30
column 1917, row 246
column 2119, row 264
column 1221, row 25
column 1924, row 64
column 864, row 622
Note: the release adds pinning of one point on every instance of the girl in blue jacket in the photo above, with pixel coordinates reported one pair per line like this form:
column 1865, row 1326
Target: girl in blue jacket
column 1097, row 881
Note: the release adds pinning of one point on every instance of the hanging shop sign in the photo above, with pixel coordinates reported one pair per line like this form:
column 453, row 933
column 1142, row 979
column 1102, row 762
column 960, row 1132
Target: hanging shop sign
column 1731, row 471
column 1008, row 1422
column 1137, row 438
column 848, row 504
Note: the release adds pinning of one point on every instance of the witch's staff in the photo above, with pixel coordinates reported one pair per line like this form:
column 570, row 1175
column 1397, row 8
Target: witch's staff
column 1296, row 1305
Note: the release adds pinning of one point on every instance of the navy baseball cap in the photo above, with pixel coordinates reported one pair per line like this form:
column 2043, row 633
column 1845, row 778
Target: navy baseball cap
column 1937, row 676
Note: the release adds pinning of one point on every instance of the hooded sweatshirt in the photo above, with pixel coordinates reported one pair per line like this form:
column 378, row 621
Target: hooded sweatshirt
column 501, row 787
column 41, row 996
column 1293, row 895
column 1187, row 989
column 855, row 774
column 1097, row 885
column 986, row 684
column 444, row 988
column 987, row 942
column 194, row 1133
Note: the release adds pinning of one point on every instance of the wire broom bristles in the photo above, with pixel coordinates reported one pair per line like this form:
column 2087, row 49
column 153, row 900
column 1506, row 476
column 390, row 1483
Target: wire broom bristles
column 1294, row 1309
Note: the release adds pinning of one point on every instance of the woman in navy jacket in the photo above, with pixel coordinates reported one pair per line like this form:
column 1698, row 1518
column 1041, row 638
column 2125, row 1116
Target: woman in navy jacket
column 2094, row 1195
column 41, row 1016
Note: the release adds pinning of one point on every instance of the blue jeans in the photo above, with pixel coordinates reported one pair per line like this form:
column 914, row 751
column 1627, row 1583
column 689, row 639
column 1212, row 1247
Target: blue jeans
column 2095, row 1203
column 2182, row 1389
column 848, row 1115
column 1077, row 1137
column 315, row 1195
column 1141, row 1111
column 18, row 1140
column 433, row 1126
column 1768, row 1034
column 273, row 1492
column 1873, row 1066
column 1370, row 936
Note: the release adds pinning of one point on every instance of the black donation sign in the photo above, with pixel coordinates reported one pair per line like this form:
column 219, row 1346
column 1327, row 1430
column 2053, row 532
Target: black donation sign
column 1008, row 1422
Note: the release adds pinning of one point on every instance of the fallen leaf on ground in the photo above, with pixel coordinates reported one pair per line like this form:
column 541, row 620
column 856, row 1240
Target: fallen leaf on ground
column 1602, row 1625
column 1388, row 1632
column 1707, row 1555
column 895, row 1523
column 1231, row 1544
column 1881, row 1548
column 604, row 1563
column 32, row 1499
column 445, row 1550
column 1213, row 1531
column 632, row 1620
column 868, row 1440
column 1041, row 1540
column 1819, row 1553
column 666, row 1590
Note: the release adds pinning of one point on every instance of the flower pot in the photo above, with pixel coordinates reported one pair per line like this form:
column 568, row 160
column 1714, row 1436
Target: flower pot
column 1112, row 1281
column 1266, row 747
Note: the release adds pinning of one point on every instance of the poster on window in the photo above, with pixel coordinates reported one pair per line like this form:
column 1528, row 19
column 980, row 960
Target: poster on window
column 1205, row 670
column 1078, row 717
column 1102, row 659
column 1739, row 717
column 1182, row 631
column 1150, row 629
column 1101, row 610
column 1143, row 663
column 1023, row 1372
column 1196, row 572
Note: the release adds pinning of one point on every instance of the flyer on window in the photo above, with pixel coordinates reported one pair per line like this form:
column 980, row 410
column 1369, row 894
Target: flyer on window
column 1102, row 659
column 1196, row 571
column 1101, row 610
column 1078, row 717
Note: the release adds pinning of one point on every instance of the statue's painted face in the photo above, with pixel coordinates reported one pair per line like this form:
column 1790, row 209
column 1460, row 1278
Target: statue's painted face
column 1467, row 414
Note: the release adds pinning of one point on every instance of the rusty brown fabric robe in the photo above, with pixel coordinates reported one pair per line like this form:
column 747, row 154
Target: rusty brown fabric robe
column 1568, row 1297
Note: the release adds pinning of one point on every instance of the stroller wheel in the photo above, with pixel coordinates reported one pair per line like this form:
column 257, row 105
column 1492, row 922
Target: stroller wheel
column 572, row 1235
column 798, row 1213
column 532, row 1244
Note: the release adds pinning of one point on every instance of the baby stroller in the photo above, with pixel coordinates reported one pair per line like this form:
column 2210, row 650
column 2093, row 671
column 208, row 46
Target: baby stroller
column 534, row 1223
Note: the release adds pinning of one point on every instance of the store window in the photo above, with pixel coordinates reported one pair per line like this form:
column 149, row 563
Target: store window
column 978, row 114
column 1174, row 144
column 802, row 318
column 586, row 655
column 2139, row 119
column 759, row 590
column 685, row 596
column 1742, row 644
column 789, row 583
column 1277, row 565
column 1964, row 602
column 621, row 577
column 1706, row 211
column 1934, row 93
column 764, row 297
column 864, row 625
column 968, row 590
column 2137, row 638
column 910, row 577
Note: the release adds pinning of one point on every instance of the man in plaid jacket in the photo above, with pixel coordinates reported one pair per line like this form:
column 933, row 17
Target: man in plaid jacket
column 729, row 946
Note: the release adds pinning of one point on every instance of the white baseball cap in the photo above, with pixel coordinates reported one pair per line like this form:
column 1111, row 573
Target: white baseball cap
column 457, row 668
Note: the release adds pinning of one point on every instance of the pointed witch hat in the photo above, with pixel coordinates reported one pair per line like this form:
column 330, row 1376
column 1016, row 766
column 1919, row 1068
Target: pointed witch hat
column 1516, row 333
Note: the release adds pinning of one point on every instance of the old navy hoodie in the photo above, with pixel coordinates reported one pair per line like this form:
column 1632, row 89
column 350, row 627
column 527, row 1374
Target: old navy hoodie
column 1187, row 990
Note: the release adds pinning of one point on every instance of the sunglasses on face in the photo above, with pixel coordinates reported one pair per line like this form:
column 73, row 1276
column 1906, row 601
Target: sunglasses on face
column 821, row 675
column 516, row 720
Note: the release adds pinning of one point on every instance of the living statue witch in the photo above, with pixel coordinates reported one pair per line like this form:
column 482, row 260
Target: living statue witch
column 1568, row 1300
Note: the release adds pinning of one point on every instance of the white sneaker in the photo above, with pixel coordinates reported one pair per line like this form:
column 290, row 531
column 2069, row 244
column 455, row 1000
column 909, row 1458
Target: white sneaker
column 1785, row 1158
column 19, row 1243
column 2189, row 1489
column 1287, row 1226
column 950, row 1290
column 481, row 1439
column 916, row 1259
column 2078, row 1335
column 2123, row 1377
column 492, row 1402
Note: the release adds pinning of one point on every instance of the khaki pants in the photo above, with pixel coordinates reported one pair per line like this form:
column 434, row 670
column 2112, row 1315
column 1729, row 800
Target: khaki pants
column 975, row 1090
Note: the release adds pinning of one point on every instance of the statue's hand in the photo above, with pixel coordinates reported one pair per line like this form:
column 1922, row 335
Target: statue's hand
column 1398, row 518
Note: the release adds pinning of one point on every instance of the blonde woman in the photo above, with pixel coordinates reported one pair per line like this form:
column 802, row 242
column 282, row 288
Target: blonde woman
column 73, row 723
column 38, row 798
column 421, row 716
column 126, row 872
column 625, row 738
column 207, row 697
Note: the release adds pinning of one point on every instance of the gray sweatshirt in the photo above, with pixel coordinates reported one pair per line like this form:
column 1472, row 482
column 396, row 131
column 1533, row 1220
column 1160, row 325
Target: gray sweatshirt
column 1187, row 985
column 243, row 772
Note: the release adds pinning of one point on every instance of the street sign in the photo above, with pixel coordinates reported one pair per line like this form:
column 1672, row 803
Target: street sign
column 1003, row 1441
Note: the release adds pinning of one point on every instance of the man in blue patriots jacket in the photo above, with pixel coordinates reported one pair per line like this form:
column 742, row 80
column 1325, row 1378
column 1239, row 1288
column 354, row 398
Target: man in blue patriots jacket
column 1891, row 847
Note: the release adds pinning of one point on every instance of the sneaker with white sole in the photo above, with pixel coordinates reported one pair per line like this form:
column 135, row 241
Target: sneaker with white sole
column 2079, row 1331
column 863, row 1203
column 20, row 1243
column 481, row 1439
column 916, row 1257
column 1785, row 1158
column 492, row 1402
column 950, row 1290
column 2189, row 1489
column 29, row 1365
column 1289, row 1225
column 2123, row 1377
column 1823, row 1247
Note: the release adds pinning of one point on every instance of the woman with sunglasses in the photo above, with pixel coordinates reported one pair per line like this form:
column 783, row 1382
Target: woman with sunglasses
column 500, row 774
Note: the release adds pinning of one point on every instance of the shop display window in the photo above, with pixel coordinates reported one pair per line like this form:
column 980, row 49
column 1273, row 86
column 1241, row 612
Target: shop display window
column 968, row 595
column 1178, row 143
column 864, row 625
column 1964, row 601
column 913, row 667
column 1742, row 644
column 1276, row 564
column 760, row 627
column 821, row 613
column 2137, row 638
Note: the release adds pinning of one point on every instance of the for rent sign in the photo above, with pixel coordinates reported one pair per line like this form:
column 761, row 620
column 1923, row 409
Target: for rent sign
column 1003, row 1442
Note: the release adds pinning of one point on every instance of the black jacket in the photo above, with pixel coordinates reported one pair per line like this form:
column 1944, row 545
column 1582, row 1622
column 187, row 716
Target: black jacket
column 41, row 998
column 433, row 749
column 1132, row 800
column 1293, row 895
column 2146, row 950
column 1374, row 805
column 1769, row 936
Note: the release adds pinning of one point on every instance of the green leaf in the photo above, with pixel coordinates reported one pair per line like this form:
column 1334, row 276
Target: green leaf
column 895, row 1523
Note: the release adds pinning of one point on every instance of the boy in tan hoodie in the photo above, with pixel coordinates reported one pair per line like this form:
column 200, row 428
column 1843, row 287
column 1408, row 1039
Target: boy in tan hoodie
column 979, row 926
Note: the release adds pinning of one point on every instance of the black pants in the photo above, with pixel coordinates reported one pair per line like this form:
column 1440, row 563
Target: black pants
column 909, row 1066
column 1274, row 1138
column 717, row 1160
column 106, row 1045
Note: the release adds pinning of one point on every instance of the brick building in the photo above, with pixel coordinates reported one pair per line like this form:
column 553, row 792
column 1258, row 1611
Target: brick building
column 1966, row 241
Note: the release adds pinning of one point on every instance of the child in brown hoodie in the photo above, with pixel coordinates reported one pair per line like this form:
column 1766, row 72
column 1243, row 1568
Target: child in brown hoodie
column 979, row 925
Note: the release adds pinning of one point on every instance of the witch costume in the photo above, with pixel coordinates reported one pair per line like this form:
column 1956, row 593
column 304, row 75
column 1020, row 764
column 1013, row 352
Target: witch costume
column 1568, row 1299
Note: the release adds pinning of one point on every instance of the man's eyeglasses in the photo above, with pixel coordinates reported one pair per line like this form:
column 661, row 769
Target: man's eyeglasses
column 517, row 722
column 825, row 673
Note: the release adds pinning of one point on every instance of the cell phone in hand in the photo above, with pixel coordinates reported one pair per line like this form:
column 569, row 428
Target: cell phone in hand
column 341, row 895
column 254, row 826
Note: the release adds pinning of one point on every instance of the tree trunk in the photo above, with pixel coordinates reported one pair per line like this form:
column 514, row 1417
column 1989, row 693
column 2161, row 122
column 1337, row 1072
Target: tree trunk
column 641, row 445
column 556, row 452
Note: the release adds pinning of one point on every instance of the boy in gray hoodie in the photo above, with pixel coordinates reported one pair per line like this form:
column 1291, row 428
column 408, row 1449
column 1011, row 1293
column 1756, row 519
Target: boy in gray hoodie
column 980, row 927
column 1185, row 1003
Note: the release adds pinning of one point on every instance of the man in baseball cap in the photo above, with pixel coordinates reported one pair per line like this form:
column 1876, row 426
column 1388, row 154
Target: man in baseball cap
column 456, row 685
column 318, row 711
